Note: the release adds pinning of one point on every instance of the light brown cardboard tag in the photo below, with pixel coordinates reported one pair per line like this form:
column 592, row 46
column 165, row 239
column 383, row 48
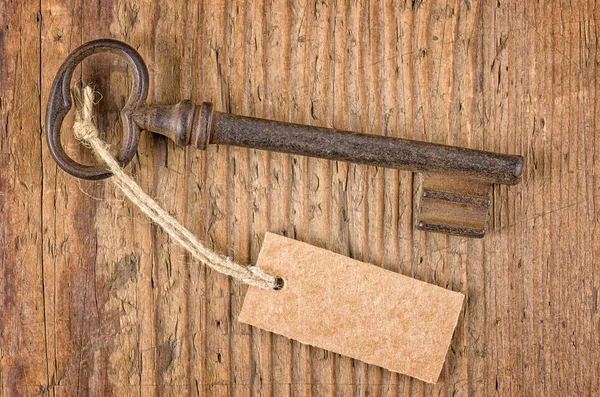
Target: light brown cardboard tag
column 354, row 308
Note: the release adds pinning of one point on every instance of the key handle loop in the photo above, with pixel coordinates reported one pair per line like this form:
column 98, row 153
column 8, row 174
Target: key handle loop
column 59, row 104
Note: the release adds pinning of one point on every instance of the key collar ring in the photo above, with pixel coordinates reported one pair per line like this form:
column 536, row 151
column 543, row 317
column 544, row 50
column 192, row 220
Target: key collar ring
column 59, row 104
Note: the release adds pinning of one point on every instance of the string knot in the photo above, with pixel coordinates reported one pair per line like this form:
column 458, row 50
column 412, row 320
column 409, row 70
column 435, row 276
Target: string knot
column 84, row 128
column 86, row 132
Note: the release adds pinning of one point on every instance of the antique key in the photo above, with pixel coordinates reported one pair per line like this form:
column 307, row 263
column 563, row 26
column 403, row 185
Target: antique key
column 455, row 183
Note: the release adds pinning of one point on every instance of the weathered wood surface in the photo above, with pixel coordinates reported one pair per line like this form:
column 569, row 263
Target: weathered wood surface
column 94, row 300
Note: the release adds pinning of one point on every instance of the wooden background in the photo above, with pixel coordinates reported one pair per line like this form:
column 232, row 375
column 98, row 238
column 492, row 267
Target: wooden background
column 94, row 300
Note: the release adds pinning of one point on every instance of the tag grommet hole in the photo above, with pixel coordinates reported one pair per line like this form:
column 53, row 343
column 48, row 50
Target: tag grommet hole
column 279, row 283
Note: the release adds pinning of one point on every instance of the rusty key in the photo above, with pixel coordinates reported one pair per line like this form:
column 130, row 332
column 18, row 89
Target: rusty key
column 454, row 183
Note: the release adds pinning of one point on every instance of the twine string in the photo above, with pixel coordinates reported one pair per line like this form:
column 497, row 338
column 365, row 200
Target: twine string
column 86, row 132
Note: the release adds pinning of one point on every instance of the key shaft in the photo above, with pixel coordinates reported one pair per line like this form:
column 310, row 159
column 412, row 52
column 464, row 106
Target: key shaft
column 200, row 125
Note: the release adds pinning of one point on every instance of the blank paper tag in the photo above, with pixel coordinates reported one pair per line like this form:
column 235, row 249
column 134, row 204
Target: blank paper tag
column 354, row 308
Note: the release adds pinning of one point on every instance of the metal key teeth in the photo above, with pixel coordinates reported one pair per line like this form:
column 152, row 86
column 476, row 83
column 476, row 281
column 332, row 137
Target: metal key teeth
column 453, row 205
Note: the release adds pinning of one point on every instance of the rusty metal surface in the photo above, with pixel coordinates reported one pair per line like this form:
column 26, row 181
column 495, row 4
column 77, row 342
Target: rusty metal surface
column 59, row 103
column 367, row 149
column 442, row 209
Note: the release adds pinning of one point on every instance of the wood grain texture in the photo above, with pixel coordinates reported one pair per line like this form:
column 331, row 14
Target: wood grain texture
column 95, row 300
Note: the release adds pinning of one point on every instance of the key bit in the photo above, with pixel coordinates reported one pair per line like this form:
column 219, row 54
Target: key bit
column 454, row 183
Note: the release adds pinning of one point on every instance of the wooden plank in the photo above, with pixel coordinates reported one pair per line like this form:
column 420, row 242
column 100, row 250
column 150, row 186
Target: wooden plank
column 217, row 353
column 403, row 58
column 24, row 343
column 96, row 300
column 235, row 68
column 338, row 201
column 276, row 60
column 196, row 215
column 299, row 19
column 319, row 95
column 169, row 262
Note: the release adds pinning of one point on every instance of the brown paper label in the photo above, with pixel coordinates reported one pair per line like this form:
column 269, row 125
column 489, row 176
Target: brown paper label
column 354, row 308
